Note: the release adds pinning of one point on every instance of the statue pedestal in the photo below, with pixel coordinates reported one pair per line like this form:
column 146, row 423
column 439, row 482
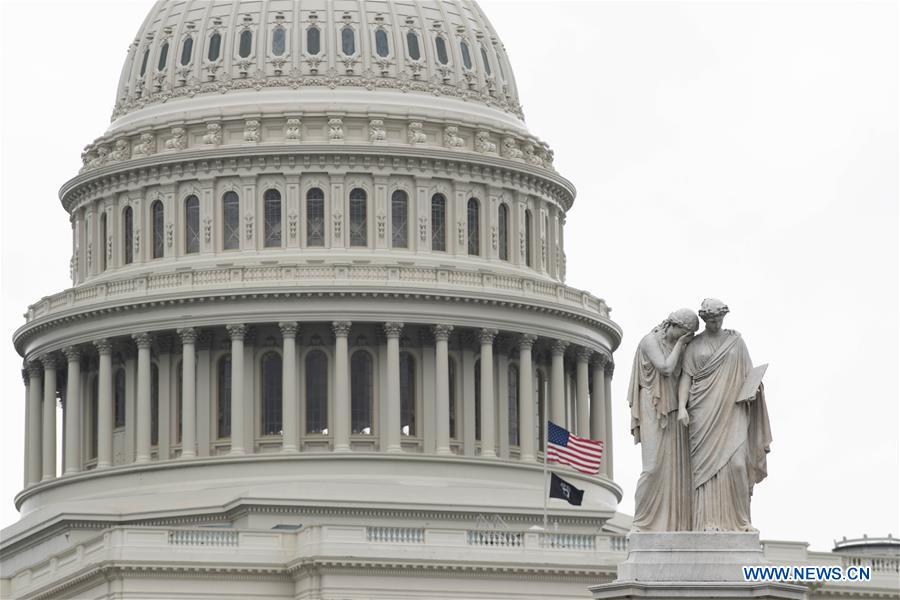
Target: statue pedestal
column 693, row 565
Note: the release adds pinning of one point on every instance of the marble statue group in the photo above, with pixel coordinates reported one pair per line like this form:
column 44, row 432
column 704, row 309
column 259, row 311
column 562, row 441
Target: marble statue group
column 698, row 410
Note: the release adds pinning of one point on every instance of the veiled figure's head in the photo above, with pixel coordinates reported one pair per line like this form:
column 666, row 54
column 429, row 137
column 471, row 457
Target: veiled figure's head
column 680, row 322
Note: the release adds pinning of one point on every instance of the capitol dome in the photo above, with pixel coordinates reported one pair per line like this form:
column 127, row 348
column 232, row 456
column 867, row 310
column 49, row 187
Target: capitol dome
column 318, row 319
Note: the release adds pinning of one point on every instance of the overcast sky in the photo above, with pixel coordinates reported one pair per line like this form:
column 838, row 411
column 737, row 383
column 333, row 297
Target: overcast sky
column 746, row 151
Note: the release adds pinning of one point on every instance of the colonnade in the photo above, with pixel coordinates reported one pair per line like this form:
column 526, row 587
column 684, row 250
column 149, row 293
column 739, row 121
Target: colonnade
column 587, row 412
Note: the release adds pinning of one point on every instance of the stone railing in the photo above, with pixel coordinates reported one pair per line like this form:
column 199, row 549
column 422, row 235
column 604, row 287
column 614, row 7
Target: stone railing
column 312, row 276
column 879, row 564
column 202, row 537
column 569, row 541
column 396, row 535
column 494, row 539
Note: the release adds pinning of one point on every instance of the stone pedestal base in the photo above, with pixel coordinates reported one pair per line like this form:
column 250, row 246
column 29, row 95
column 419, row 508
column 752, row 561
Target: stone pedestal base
column 693, row 565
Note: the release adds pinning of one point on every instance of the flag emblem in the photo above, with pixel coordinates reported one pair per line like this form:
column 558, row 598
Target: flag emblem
column 562, row 489
column 582, row 454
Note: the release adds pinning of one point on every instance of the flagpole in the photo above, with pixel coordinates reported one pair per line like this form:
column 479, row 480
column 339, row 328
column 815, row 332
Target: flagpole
column 546, row 480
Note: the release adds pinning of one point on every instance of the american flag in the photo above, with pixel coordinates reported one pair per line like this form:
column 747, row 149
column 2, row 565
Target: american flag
column 580, row 453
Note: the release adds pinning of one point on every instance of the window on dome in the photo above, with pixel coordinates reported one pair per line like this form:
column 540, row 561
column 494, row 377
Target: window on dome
column 512, row 398
column 399, row 219
column 102, row 244
column 215, row 46
column 163, row 56
column 191, row 225
column 272, row 219
column 154, row 404
column 231, row 226
column 500, row 66
column 245, row 44
column 278, row 41
column 348, row 41
column 441, row 47
column 412, row 44
column 358, row 224
column 93, row 405
column 128, row 238
column 485, row 61
column 361, row 393
column 223, row 397
column 381, row 43
column 144, row 61
column 315, row 217
column 528, row 238
column 451, row 374
column 187, row 49
column 478, row 400
column 503, row 231
column 119, row 399
column 438, row 222
column 317, row 392
column 158, row 235
column 313, row 40
column 466, row 57
column 270, row 381
column 473, row 219
column 407, row 394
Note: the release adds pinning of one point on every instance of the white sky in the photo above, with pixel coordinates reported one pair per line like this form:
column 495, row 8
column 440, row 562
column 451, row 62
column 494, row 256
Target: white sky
column 747, row 151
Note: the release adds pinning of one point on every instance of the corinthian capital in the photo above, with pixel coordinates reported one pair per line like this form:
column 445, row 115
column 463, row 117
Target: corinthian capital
column 559, row 347
column 486, row 336
column 142, row 340
column 35, row 369
column 393, row 330
column 584, row 354
column 73, row 353
column 341, row 328
column 289, row 329
column 441, row 332
column 188, row 335
column 236, row 331
column 526, row 341
column 103, row 345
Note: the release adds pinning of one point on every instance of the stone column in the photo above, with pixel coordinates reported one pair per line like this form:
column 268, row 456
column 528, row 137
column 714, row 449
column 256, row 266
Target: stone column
column 48, row 429
column 608, row 442
column 72, row 410
column 164, row 344
column 558, row 383
column 391, row 426
column 290, row 419
column 104, row 404
column 598, row 407
column 342, row 386
column 582, row 399
column 188, row 337
column 526, row 400
column 488, row 441
column 442, row 387
column 237, row 332
column 26, row 434
column 468, row 395
column 143, row 342
column 34, row 412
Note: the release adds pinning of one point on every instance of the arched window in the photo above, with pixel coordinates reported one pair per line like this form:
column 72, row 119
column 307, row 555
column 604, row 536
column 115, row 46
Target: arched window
column 231, row 221
column 315, row 217
column 382, row 48
column 93, row 423
column 474, row 239
column 478, row 399
column 512, row 399
column 528, row 237
column 500, row 65
column 358, row 224
column 215, row 46
column 223, row 397
column 270, row 381
column 157, row 219
column 154, row 404
column 361, row 393
column 412, row 45
column 144, row 61
column 102, row 244
column 163, row 56
column 316, row 392
column 451, row 374
column 191, row 224
column 503, row 231
column 438, row 222
column 485, row 61
column 466, row 57
column 313, row 40
column 407, row 394
column 119, row 399
column 245, row 44
column 348, row 41
column 278, row 41
column 441, row 47
column 187, row 48
column 128, row 238
column 399, row 219
column 272, row 219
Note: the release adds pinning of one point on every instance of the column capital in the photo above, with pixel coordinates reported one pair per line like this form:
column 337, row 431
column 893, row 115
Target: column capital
column 601, row 359
column 73, row 353
column 558, row 348
column 26, row 378
column 393, row 329
column 486, row 336
column 188, row 335
column 142, row 340
column 341, row 328
column 610, row 367
column 441, row 332
column 35, row 369
column 289, row 329
column 49, row 361
column 584, row 354
column 526, row 341
column 236, row 331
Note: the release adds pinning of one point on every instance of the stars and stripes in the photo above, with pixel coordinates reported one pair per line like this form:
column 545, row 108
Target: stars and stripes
column 579, row 453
